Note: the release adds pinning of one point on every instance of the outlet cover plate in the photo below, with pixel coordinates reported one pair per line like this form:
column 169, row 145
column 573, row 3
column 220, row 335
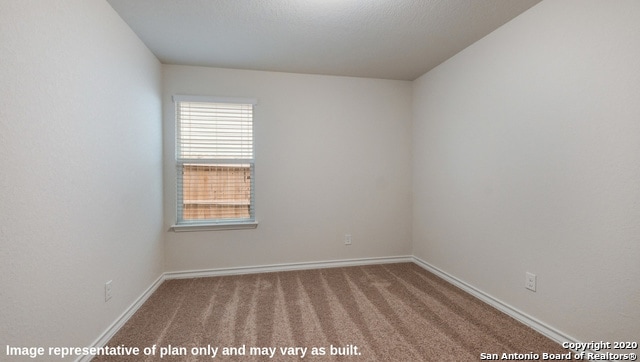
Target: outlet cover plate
column 531, row 282
column 107, row 290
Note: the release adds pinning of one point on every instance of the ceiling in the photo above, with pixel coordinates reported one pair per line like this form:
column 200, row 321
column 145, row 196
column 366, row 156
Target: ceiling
column 389, row 39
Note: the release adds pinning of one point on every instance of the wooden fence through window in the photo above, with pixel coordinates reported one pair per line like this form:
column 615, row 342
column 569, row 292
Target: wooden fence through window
column 216, row 191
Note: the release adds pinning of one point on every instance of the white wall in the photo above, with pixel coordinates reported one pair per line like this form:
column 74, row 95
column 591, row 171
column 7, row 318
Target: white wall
column 80, row 170
column 332, row 157
column 526, row 151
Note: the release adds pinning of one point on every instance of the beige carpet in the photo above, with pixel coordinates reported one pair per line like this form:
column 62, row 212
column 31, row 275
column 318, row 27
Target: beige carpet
column 392, row 312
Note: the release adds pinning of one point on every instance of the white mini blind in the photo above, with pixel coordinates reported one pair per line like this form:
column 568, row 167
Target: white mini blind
column 214, row 159
column 215, row 131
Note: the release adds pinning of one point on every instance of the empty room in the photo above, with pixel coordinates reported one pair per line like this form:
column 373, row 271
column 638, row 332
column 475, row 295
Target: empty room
column 388, row 180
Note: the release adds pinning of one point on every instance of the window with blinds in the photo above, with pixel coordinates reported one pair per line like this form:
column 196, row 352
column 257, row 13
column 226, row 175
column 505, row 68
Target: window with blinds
column 214, row 160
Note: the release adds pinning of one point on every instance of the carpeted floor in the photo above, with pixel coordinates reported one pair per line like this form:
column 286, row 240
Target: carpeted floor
column 391, row 312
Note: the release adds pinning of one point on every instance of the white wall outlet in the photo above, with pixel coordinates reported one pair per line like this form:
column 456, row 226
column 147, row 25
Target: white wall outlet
column 347, row 239
column 107, row 290
column 530, row 282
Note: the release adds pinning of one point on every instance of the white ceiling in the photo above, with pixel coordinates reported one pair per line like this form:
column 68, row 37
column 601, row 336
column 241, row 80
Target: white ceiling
column 391, row 39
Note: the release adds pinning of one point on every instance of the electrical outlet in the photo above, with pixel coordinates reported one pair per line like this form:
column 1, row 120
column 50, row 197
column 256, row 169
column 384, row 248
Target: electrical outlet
column 347, row 239
column 530, row 282
column 107, row 290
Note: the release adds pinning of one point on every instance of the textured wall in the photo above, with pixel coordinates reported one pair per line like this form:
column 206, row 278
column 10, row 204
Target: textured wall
column 80, row 170
column 527, row 158
column 332, row 157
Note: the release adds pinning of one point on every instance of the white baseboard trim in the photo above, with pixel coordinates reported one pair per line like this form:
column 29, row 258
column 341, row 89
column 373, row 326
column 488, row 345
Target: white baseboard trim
column 518, row 315
column 104, row 338
column 286, row 267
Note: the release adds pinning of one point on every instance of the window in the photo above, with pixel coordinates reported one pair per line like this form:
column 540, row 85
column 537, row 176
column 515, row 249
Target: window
column 215, row 162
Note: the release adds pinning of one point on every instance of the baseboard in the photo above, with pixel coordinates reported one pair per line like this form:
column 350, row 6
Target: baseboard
column 286, row 267
column 104, row 338
column 518, row 315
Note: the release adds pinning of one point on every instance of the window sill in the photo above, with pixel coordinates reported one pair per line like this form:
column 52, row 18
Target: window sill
column 214, row 226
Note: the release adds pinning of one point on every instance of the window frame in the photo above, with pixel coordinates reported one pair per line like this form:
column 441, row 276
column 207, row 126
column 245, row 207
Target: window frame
column 212, row 224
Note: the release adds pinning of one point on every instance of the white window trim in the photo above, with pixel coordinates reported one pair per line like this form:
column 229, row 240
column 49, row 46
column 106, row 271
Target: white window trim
column 208, row 225
column 187, row 98
column 215, row 226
